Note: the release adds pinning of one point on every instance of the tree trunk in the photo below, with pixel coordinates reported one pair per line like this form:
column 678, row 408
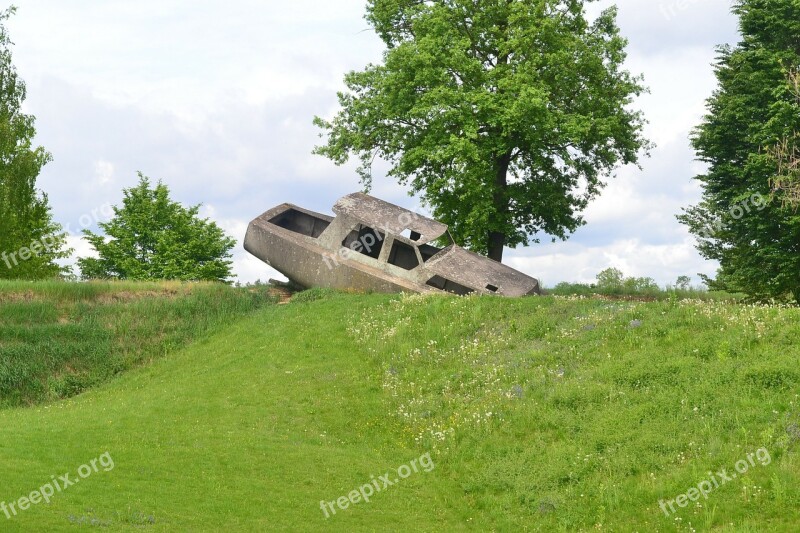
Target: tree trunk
column 497, row 243
column 497, row 239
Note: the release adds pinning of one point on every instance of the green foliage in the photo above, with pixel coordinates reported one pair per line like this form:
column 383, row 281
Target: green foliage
column 505, row 116
column 152, row 237
column 610, row 279
column 30, row 242
column 753, row 117
column 314, row 294
column 643, row 284
column 683, row 283
column 612, row 282
column 60, row 339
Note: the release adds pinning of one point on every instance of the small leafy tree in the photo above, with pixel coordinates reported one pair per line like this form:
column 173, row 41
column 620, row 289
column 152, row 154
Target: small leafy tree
column 152, row 237
column 683, row 283
column 30, row 242
column 506, row 115
column 640, row 285
column 613, row 281
column 610, row 279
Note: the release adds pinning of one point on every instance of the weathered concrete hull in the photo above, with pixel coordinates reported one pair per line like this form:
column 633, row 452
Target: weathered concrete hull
column 307, row 264
column 459, row 261
column 371, row 245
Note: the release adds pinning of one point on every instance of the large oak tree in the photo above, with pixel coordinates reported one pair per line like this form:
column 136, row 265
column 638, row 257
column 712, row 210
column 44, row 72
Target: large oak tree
column 505, row 115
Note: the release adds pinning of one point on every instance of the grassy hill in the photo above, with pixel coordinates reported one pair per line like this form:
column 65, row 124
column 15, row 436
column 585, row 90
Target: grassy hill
column 540, row 414
column 58, row 339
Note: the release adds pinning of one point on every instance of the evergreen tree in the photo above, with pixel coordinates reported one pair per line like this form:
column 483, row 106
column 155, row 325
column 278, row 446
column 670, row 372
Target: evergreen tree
column 748, row 219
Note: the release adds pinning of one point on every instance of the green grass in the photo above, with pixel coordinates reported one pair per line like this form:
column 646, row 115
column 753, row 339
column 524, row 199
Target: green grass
column 540, row 414
column 58, row 339
column 653, row 292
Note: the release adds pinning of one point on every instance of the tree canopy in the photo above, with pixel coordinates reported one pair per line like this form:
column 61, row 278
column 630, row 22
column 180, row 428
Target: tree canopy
column 748, row 219
column 30, row 242
column 151, row 237
column 505, row 115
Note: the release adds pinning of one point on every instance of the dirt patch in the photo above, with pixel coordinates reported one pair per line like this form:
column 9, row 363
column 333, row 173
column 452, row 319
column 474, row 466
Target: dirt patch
column 624, row 298
column 283, row 294
column 13, row 297
column 103, row 298
column 129, row 296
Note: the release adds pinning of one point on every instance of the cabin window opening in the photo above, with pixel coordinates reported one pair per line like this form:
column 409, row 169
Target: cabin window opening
column 428, row 251
column 449, row 286
column 403, row 256
column 411, row 235
column 365, row 240
column 301, row 223
column 492, row 288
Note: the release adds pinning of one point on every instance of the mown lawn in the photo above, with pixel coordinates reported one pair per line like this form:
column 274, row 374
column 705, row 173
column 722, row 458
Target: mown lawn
column 540, row 414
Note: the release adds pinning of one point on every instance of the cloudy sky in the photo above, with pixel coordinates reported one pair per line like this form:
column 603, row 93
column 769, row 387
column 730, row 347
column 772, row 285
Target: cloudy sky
column 216, row 99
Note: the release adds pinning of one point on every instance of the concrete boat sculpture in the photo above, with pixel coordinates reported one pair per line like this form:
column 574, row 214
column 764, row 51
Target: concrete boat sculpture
column 374, row 245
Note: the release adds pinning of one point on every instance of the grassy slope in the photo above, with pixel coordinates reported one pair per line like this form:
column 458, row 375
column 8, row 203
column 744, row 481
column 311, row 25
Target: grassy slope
column 57, row 339
column 541, row 414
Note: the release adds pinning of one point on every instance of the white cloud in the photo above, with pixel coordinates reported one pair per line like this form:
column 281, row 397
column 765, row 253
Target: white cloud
column 217, row 99
column 186, row 57
column 581, row 263
column 250, row 269
column 81, row 248
column 104, row 171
